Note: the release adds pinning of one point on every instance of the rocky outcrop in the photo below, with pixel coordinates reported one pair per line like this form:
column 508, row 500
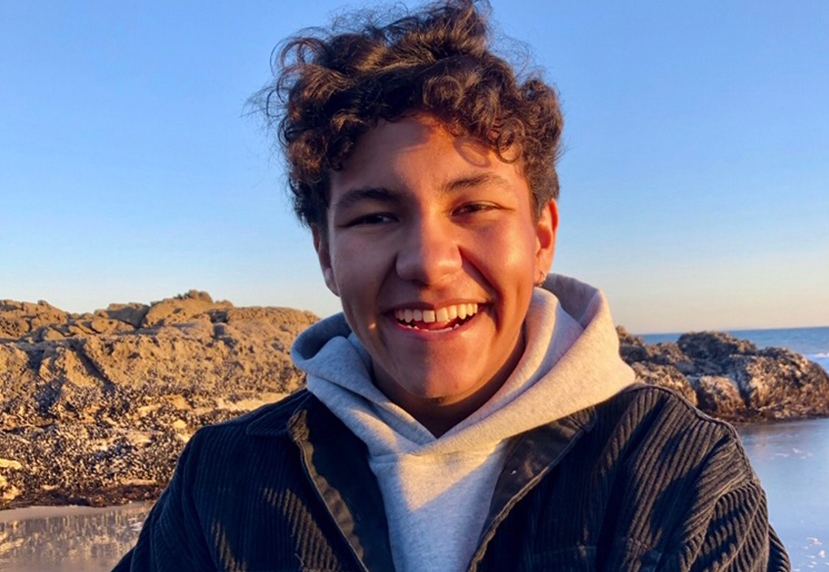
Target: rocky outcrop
column 731, row 378
column 95, row 408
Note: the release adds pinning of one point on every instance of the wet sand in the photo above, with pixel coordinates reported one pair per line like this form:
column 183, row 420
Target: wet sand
column 68, row 539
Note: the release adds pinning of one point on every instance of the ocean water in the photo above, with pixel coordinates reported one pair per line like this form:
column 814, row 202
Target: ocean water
column 810, row 342
column 792, row 460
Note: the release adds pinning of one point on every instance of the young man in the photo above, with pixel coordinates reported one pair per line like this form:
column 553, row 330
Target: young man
column 466, row 411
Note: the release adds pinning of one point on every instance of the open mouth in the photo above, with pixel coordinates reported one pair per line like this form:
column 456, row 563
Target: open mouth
column 445, row 318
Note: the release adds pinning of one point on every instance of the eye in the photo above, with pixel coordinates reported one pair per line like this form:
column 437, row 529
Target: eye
column 372, row 219
column 472, row 208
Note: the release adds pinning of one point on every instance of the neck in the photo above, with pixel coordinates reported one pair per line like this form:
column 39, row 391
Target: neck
column 439, row 418
column 440, row 414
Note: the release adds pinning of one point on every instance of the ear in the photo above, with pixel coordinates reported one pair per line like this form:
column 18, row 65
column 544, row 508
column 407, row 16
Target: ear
column 324, row 256
column 545, row 240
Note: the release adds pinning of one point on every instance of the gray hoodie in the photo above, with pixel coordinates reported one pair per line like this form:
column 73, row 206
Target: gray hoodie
column 436, row 490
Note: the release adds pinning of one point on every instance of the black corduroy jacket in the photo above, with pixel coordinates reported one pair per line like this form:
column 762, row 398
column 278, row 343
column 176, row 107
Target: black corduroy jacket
column 642, row 482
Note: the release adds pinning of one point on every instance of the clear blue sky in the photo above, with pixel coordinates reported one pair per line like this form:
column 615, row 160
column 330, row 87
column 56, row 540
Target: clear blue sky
column 695, row 184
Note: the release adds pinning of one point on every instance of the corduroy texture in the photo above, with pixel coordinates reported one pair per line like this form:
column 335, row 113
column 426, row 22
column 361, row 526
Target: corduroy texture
column 641, row 482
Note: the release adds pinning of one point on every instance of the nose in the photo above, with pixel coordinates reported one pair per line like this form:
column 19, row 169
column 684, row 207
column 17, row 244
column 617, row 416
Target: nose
column 429, row 252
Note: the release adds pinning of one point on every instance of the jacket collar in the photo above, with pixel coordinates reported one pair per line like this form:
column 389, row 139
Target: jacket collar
column 272, row 420
column 335, row 461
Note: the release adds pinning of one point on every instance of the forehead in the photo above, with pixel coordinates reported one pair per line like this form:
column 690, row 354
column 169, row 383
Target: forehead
column 418, row 151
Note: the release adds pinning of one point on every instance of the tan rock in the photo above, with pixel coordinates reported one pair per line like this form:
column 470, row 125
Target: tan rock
column 666, row 376
column 732, row 377
column 20, row 318
column 132, row 314
column 10, row 493
column 719, row 395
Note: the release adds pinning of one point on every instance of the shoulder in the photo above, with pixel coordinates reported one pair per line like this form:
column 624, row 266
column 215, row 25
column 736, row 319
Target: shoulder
column 274, row 416
column 655, row 427
column 270, row 423
column 641, row 403
column 649, row 482
column 237, row 459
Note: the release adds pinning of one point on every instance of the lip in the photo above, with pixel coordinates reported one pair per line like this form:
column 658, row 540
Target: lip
column 420, row 305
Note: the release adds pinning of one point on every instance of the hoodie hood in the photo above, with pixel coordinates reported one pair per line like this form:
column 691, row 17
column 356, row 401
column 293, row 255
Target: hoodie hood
column 571, row 362
column 436, row 490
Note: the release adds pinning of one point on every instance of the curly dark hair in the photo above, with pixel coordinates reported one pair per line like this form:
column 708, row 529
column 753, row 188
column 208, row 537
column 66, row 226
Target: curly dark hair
column 333, row 85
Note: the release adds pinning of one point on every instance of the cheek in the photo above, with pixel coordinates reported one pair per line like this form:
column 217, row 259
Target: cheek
column 510, row 261
column 357, row 280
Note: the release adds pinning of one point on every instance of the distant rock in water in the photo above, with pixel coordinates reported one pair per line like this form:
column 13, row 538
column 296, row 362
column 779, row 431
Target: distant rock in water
column 731, row 378
column 95, row 408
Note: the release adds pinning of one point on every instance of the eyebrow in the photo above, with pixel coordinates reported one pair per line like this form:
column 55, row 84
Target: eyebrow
column 478, row 180
column 358, row 195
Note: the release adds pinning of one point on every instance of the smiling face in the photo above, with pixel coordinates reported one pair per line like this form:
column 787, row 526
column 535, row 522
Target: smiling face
column 433, row 246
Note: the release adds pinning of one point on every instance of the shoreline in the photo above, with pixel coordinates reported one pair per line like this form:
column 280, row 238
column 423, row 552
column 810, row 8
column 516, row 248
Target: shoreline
column 59, row 511
column 91, row 500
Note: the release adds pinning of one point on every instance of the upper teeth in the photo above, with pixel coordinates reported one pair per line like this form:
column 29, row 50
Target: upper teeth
column 444, row 314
